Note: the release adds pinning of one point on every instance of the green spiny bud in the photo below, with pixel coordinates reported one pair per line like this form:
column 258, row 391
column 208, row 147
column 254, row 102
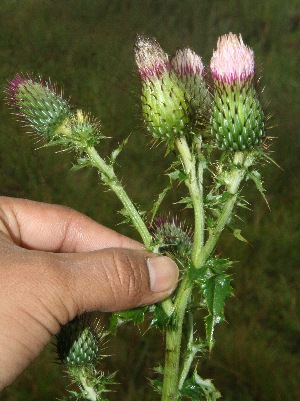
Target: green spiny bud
column 237, row 120
column 189, row 69
column 84, row 131
column 78, row 342
column 39, row 105
column 171, row 236
column 164, row 105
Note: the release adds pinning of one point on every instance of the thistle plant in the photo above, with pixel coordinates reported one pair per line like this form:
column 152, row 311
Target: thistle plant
column 213, row 122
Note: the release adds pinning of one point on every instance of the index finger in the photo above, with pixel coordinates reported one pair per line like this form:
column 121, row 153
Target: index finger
column 47, row 227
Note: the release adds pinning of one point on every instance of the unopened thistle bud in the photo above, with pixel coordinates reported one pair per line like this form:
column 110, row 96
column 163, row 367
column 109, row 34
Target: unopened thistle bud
column 39, row 105
column 189, row 69
column 78, row 342
column 237, row 120
column 48, row 114
column 164, row 104
column 171, row 236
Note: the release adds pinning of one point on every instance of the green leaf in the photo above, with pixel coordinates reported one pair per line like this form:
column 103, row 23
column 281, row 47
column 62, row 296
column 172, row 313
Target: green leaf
column 126, row 215
column 187, row 201
column 238, row 235
column 82, row 162
column 256, row 178
column 160, row 318
column 198, row 389
column 177, row 175
column 136, row 316
column 157, row 385
column 158, row 202
column 216, row 289
column 115, row 153
column 218, row 265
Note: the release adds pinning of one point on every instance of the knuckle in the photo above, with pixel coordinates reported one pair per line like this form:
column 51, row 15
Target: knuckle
column 126, row 276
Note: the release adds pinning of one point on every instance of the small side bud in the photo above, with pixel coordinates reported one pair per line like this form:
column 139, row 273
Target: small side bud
column 171, row 236
column 237, row 120
column 86, row 132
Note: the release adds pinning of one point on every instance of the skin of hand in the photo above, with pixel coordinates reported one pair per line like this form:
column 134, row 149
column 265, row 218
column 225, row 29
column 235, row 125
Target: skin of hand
column 55, row 264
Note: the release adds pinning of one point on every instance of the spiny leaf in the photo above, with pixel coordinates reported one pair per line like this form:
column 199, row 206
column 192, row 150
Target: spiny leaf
column 216, row 289
column 177, row 175
column 187, row 201
column 136, row 316
column 127, row 218
column 218, row 265
column 256, row 178
column 238, row 235
column 82, row 162
column 158, row 202
column 115, row 153
column 160, row 318
column 198, row 389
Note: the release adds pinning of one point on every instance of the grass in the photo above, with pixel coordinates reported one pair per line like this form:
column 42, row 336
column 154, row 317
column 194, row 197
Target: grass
column 86, row 47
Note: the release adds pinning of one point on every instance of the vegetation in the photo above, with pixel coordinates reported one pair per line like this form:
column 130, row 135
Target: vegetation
column 86, row 47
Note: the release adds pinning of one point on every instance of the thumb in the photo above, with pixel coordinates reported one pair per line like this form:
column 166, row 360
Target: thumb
column 42, row 290
column 116, row 278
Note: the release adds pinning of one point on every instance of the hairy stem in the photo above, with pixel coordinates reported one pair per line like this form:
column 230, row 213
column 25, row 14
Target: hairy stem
column 194, row 184
column 173, row 343
column 191, row 350
column 172, row 382
column 110, row 178
column 89, row 391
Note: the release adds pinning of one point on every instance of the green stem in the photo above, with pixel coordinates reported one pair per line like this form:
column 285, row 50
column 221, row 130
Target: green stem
column 110, row 178
column 89, row 392
column 194, row 183
column 174, row 332
column 173, row 343
column 236, row 177
column 171, row 385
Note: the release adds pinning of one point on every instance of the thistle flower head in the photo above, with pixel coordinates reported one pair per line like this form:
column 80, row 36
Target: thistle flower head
column 164, row 105
column 233, row 60
column 12, row 88
column 150, row 58
column 186, row 62
column 237, row 119
column 78, row 342
column 171, row 235
column 39, row 104
column 187, row 66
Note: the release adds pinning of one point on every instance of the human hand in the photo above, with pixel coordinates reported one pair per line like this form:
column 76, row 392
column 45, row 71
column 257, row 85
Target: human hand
column 56, row 263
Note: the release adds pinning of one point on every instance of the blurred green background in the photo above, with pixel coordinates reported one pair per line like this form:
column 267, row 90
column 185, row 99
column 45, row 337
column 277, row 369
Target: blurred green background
column 86, row 47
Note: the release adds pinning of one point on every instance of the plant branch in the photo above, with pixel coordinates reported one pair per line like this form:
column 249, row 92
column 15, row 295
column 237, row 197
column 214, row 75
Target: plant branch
column 191, row 351
column 172, row 383
column 193, row 181
column 109, row 177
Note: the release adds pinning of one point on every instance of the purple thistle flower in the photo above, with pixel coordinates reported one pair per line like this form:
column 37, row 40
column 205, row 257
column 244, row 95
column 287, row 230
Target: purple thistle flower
column 237, row 120
column 186, row 62
column 233, row 60
column 150, row 58
column 163, row 99
column 189, row 70
column 12, row 88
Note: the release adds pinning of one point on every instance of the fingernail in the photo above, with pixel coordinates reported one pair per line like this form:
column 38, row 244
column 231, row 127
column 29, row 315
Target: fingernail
column 163, row 273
